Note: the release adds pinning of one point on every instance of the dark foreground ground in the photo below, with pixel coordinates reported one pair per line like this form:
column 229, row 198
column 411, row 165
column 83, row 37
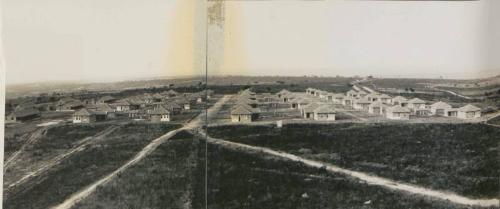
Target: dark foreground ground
column 174, row 177
column 462, row 158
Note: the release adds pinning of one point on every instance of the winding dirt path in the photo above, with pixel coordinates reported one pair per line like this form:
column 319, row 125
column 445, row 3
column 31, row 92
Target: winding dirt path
column 33, row 137
column 59, row 158
column 194, row 124
column 369, row 179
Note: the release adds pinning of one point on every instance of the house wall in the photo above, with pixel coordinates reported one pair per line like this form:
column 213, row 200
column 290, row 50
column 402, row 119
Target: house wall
column 398, row 116
column 241, row 118
column 83, row 119
column 324, row 116
column 469, row 114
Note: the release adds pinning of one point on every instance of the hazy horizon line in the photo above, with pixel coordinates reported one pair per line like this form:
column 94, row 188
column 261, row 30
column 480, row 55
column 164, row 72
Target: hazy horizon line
column 152, row 78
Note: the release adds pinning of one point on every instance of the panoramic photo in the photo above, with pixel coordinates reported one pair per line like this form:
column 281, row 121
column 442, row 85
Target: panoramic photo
column 251, row 104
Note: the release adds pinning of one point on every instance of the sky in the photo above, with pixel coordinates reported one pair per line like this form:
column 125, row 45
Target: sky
column 110, row 40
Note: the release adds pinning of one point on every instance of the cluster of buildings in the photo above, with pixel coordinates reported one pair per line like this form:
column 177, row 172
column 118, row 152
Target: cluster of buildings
column 320, row 105
column 157, row 107
column 393, row 107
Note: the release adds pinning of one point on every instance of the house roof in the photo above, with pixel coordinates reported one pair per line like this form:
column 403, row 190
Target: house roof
column 243, row 110
column 378, row 104
column 398, row 108
column 25, row 112
column 399, row 99
column 469, row 108
column 311, row 107
column 86, row 112
column 284, row 91
column 104, row 107
column 159, row 111
column 441, row 104
column 416, row 101
column 384, row 96
column 351, row 92
column 106, row 99
column 363, row 100
column 325, row 109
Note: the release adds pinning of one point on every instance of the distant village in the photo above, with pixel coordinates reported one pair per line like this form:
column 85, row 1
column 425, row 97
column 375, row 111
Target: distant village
column 157, row 107
column 245, row 106
column 319, row 105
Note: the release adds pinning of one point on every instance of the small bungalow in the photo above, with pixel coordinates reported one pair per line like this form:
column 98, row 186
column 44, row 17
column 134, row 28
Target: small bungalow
column 137, row 114
column 338, row 98
column 184, row 103
column 311, row 91
column 300, row 103
column 378, row 108
column 283, row 93
column 469, row 112
column 69, row 105
column 373, row 97
column 362, row 93
column 362, row 104
column 308, row 110
column 416, row 104
column 399, row 100
column 439, row 108
column 125, row 105
column 88, row 116
column 172, row 93
column 22, row 115
column 384, row 98
column 351, row 93
column 244, row 113
column 172, row 107
column 159, row 115
column 324, row 113
column 398, row 113
column 348, row 101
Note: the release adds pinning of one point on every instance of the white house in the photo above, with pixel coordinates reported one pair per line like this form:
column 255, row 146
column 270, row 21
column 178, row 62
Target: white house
column 362, row 104
column 160, row 115
column 324, row 113
column 469, row 112
column 399, row 100
column 439, row 108
column 416, row 104
column 398, row 113
column 378, row 108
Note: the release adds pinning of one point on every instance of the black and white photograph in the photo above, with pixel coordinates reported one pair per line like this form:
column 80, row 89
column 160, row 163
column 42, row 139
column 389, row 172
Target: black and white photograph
column 250, row 104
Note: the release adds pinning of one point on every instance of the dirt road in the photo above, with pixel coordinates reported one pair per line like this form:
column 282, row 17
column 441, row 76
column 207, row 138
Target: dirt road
column 369, row 179
column 59, row 158
column 37, row 134
column 195, row 123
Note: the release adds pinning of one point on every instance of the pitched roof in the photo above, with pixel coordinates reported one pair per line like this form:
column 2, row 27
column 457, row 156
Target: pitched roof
column 384, row 96
column 399, row 99
column 159, row 111
column 106, row 99
column 25, row 112
column 469, row 108
column 284, row 91
column 311, row 107
column 241, row 110
column 378, row 104
column 85, row 112
column 441, row 104
column 416, row 101
column 398, row 108
column 325, row 109
column 363, row 100
column 104, row 107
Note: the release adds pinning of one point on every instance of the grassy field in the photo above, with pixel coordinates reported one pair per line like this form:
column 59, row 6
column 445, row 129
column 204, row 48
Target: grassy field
column 173, row 177
column 461, row 158
column 85, row 167
column 165, row 179
column 252, row 180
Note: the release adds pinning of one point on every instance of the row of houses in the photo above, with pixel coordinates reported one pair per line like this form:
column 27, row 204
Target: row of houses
column 156, row 107
column 246, row 107
column 392, row 107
